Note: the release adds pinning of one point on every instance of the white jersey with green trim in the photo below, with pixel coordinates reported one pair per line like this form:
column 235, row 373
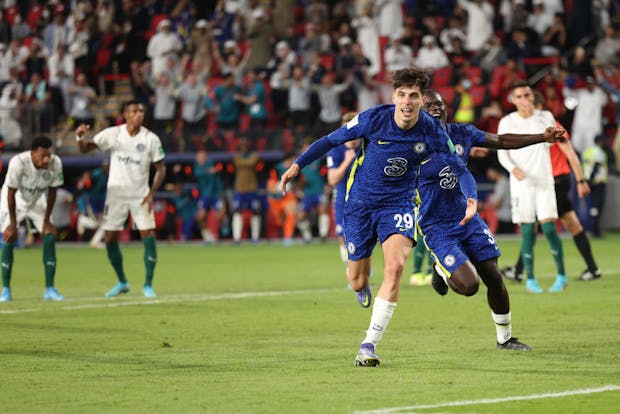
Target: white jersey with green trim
column 533, row 160
column 31, row 182
column 130, row 160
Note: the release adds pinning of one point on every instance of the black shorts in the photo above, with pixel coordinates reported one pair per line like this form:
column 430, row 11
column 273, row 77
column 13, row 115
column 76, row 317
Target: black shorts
column 562, row 188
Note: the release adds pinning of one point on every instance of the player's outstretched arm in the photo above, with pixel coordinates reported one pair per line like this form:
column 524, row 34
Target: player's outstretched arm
column 515, row 141
column 289, row 175
column 80, row 133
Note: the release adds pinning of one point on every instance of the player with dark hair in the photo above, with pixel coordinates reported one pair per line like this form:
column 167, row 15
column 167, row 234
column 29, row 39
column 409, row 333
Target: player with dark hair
column 531, row 184
column 465, row 253
column 133, row 148
column 379, row 200
column 563, row 160
column 30, row 175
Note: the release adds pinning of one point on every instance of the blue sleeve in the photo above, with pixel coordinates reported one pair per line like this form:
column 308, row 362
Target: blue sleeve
column 457, row 165
column 477, row 136
column 353, row 129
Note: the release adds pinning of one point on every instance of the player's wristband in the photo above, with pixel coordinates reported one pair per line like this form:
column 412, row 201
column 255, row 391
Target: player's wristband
column 79, row 138
column 582, row 181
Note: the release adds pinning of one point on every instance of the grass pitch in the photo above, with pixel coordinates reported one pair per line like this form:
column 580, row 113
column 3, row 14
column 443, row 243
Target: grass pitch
column 273, row 329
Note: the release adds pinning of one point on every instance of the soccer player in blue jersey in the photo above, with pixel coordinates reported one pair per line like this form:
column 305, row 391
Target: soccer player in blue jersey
column 379, row 201
column 462, row 252
column 312, row 184
column 339, row 163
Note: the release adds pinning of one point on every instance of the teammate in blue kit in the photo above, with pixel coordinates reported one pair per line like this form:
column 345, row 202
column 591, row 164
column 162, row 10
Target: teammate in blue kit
column 339, row 163
column 379, row 201
column 464, row 251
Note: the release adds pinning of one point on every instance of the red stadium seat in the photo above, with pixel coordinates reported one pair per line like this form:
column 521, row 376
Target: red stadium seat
column 442, row 77
column 478, row 94
column 473, row 73
column 448, row 94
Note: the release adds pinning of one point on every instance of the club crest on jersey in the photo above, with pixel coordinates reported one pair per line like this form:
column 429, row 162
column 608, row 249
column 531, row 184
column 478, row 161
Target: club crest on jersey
column 47, row 175
column 449, row 260
column 458, row 148
column 141, row 147
column 351, row 248
column 419, row 147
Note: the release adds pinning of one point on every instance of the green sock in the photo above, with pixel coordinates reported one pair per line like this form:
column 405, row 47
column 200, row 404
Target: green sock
column 429, row 265
column 7, row 263
column 116, row 260
column 150, row 258
column 49, row 258
column 551, row 233
column 419, row 253
column 528, row 238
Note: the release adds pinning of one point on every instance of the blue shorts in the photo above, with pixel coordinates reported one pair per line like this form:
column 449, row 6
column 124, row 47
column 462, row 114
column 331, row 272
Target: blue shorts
column 311, row 202
column 451, row 245
column 363, row 226
column 210, row 203
column 97, row 206
column 339, row 217
column 247, row 201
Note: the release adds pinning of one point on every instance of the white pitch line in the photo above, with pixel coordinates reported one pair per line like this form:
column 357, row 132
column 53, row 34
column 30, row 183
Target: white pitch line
column 570, row 393
column 115, row 303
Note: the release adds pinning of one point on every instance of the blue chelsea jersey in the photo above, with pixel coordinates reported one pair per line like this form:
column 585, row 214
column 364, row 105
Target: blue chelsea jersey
column 384, row 171
column 439, row 194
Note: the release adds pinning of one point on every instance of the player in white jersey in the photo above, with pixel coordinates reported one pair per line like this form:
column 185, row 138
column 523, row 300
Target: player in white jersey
column 532, row 186
column 133, row 148
column 29, row 176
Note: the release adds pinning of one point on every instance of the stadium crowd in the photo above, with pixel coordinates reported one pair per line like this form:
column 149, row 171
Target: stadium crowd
column 234, row 83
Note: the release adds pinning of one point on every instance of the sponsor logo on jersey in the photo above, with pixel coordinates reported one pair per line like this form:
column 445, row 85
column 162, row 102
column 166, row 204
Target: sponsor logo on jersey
column 448, row 180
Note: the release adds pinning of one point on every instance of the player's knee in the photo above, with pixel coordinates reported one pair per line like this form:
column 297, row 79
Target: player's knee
column 394, row 267
column 465, row 281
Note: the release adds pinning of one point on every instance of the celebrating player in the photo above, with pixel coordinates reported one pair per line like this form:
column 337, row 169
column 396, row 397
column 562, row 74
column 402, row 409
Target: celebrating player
column 395, row 139
column 132, row 150
column 462, row 252
column 29, row 175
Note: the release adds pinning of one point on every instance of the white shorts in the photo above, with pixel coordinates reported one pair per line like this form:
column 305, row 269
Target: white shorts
column 532, row 201
column 116, row 211
column 36, row 213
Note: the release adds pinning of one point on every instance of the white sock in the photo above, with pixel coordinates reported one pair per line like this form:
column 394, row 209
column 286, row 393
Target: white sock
column 207, row 235
column 98, row 236
column 343, row 254
column 503, row 326
column 304, row 228
column 323, row 225
column 382, row 312
column 255, row 227
column 237, row 226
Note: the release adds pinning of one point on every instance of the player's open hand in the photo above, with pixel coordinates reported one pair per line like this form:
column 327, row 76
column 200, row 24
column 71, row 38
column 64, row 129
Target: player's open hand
column 10, row 233
column 470, row 211
column 49, row 228
column 148, row 200
column 81, row 130
column 288, row 175
column 555, row 134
